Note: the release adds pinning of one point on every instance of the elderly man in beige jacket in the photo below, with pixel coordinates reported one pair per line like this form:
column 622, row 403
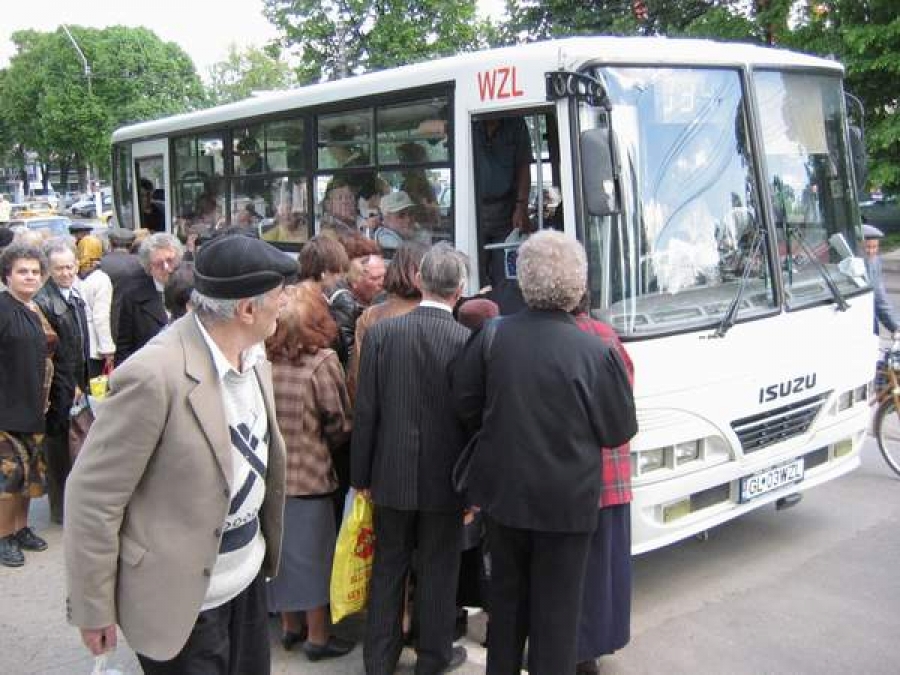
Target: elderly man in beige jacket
column 174, row 507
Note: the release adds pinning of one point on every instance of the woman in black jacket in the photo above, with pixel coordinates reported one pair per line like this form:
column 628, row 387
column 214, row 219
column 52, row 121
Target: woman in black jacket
column 543, row 397
column 26, row 369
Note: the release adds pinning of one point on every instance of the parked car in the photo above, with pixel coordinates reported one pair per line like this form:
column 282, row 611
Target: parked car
column 69, row 198
column 883, row 212
column 87, row 208
column 56, row 225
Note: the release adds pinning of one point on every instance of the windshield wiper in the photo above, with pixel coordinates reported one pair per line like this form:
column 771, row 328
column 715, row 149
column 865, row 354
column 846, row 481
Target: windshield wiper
column 842, row 303
column 731, row 315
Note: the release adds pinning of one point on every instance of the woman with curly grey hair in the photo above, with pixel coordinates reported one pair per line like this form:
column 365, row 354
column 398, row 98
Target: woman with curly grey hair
column 543, row 398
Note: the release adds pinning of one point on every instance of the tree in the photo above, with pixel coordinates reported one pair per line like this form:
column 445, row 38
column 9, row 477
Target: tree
column 242, row 73
column 51, row 107
column 864, row 35
column 337, row 38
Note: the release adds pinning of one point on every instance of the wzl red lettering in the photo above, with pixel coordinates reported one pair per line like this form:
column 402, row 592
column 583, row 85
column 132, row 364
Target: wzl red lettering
column 499, row 83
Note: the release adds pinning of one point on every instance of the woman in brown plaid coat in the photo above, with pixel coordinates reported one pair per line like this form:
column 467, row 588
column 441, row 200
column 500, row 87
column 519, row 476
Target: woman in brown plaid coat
column 314, row 416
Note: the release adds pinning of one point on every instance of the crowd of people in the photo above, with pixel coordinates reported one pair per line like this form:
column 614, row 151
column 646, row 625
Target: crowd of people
column 249, row 391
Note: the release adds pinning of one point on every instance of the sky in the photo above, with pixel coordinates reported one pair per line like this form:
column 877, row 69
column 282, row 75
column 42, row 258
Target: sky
column 203, row 28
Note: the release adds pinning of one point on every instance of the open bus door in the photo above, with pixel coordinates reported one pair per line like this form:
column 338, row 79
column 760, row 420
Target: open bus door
column 149, row 191
column 510, row 148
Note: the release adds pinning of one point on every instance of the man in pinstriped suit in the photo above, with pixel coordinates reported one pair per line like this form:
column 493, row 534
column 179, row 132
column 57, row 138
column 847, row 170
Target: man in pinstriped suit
column 402, row 454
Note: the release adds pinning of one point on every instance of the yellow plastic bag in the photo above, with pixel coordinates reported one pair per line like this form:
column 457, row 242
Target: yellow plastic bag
column 353, row 556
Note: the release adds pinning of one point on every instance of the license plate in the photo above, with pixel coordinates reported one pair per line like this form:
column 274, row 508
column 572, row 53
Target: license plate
column 771, row 479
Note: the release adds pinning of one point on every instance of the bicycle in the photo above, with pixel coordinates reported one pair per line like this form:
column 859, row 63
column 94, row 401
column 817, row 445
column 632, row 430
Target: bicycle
column 887, row 398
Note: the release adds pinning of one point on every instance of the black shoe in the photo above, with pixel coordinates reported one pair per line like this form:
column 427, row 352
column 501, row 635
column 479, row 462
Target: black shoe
column 29, row 541
column 457, row 657
column 10, row 552
column 289, row 639
column 588, row 668
column 335, row 647
column 462, row 624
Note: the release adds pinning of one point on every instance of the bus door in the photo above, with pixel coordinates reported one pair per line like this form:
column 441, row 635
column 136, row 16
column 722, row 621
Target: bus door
column 150, row 189
column 517, row 190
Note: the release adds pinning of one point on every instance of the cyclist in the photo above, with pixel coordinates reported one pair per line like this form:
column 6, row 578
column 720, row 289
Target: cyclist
column 884, row 309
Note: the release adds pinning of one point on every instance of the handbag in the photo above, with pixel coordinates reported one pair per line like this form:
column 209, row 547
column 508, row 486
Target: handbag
column 459, row 475
column 80, row 420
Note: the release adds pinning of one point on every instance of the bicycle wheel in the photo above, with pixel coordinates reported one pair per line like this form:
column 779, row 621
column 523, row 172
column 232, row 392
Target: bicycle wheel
column 887, row 432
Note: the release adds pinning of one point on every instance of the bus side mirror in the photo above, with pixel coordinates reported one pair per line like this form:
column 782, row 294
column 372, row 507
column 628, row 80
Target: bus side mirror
column 859, row 158
column 598, row 171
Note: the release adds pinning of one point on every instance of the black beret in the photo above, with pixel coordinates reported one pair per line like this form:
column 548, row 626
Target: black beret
column 6, row 236
column 235, row 266
column 80, row 226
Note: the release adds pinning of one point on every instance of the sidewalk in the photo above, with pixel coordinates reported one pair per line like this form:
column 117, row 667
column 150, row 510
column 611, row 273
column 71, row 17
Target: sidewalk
column 37, row 640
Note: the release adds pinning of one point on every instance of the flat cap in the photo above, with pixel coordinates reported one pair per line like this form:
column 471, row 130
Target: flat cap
column 234, row 266
column 80, row 226
column 871, row 232
column 121, row 236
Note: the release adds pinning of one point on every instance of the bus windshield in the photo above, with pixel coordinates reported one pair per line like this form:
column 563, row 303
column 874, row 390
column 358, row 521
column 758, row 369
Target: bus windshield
column 689, row 235
column 690, row 239
column 809, row 180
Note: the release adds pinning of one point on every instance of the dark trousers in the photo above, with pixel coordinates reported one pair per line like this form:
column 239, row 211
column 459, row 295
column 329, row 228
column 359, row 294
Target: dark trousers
column 56, row 449
column 436, row 539
column 232, row 639
column 536, row 586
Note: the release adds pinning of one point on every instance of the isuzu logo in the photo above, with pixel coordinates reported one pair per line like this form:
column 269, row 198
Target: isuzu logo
column 786, row 388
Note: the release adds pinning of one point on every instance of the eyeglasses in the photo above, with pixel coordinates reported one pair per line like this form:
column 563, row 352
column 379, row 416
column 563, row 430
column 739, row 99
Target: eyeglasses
column 164, row 263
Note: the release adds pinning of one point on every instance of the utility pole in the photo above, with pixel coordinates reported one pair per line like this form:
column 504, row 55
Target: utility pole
column 87, row 75
column 84, row 61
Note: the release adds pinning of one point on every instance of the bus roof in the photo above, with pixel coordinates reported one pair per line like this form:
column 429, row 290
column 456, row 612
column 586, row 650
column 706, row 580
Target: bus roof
column 569, row 53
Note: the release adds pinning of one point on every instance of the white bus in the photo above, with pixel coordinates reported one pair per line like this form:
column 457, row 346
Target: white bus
column 712, row 185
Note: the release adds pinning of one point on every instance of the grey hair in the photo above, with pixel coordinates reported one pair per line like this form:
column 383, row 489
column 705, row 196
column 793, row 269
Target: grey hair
column 552, row 271
column 443, row 270
column 217, row 310
column 59, row 244
column 155, row 242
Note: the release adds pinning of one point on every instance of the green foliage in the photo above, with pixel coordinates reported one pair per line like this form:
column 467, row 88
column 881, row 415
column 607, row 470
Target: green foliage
column 243, row 72
column 337, row 38
column 864, row 35
column 50, row 105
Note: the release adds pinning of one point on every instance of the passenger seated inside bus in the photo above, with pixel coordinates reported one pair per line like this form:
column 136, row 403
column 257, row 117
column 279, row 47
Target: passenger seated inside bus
column 343, row 149
column 339, row 207
column 417, row 186
column 371, row 190
column 288, row 227
column 398, row 223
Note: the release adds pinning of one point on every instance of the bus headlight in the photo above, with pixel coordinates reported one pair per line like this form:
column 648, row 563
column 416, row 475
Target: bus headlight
column 684, row 456
column 651, row 460
column 687, row 452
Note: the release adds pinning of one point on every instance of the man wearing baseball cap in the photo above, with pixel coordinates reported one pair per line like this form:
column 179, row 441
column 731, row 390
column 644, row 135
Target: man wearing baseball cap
column 174, row 508
column 884, row 310
column 398, row 225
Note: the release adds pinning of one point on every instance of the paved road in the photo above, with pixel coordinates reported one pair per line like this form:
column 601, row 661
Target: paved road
column 809, row 590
